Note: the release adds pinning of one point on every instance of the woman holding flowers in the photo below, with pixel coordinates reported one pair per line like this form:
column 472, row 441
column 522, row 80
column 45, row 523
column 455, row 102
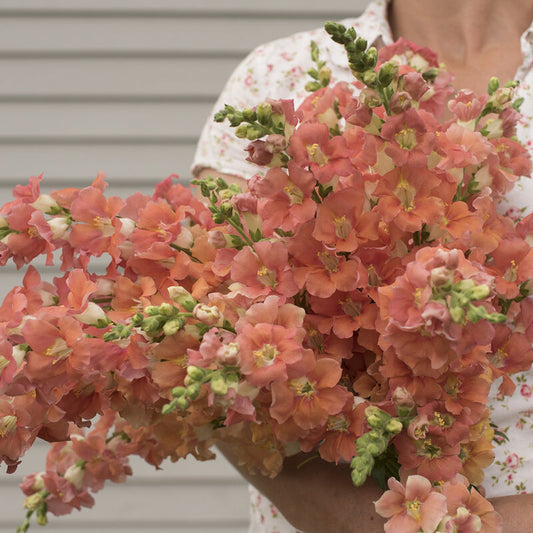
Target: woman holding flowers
column 476, row 40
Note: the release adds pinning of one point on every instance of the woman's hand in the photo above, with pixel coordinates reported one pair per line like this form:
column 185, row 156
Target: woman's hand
column 318, row 496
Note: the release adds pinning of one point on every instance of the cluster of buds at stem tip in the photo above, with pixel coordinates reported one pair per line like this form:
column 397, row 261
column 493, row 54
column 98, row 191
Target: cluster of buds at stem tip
column 219, row 381
column 166, row 319
column 362, row 60
column 35, row 503
column 460, row 299
column 373, row 443
column 250, row 123
column 321, row 74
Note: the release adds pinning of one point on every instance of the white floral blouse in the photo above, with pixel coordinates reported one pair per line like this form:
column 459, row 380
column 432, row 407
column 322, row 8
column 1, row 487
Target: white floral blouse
column 278, row 70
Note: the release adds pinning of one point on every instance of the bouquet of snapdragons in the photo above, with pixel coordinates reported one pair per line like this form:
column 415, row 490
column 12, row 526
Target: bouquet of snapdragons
column 357, row 302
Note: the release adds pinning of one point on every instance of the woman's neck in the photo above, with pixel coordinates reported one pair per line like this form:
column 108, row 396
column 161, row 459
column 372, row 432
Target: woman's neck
column 474, row 38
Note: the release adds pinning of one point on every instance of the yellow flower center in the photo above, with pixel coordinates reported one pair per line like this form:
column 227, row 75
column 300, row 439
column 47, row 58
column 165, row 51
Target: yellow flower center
column 316, row 155
column 337, row 423
column 406, row 138
column 266, row 355
column 294, row 194
column 330, row 262
column 342, row 227
column 32, row 232
column 302, row 387
column 413, row 508
column 266, row 276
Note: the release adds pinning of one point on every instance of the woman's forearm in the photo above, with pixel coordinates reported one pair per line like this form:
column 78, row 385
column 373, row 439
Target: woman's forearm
column 318, row 496
column 516, row 511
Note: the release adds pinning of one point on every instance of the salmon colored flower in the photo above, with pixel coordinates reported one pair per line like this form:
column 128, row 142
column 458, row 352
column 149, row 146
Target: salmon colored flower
column 417, row 506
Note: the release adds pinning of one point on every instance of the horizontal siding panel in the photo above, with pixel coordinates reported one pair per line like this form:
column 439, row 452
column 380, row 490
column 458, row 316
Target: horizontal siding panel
column 114, row 77
column 178, row 35
column 68, row 165
column 181, row 119
column 177, row 6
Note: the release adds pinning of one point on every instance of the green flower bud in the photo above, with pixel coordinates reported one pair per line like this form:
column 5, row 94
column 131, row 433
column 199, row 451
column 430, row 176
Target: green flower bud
column 40, row 516
column 457, row 314
column 376, row 418
column 387, row 74
column 324, row 75
column 218, row 218
column 221, row 183
column 370, row 78
column 136, row 320
column 173, row 326
column 394, row 426
column 219, row 385
column 312, row 86
column 254, row 132
column 478, row 292
column 151, row 310
column 249, row 114
column 166, row 309
column 182, row 297
column 430, row 74
column 178, row 391
column 241, row 131
column 264, row 113
column 494, row 85
column 182, row 403
column 151, row 324
column 196, row 373
column 361, row 44
column 371, row 57
column 169, row 407
column 193, row 391
column 226, row 208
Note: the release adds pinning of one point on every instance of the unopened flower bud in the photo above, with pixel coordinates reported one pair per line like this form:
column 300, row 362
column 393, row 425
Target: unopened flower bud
column 370, row 78
column 151, row 310
column 478, row 292
column 207, row 314
column 264, row 113
column 171, row 327
column 394, row 426
column 324, row 75
column 376, row 418
column 254, row 132
column 387, row 73
column 457, row 314
column 46, row 204
column 441, row 277
column 193, row 391
column 59, row 226
column 196, row 373
column 249, row 114
column 151, row 324
column 40, row 516
column 33, row 501
column 167, row 309
column 219, row 385
column 93, row 315
column 178, row 391
column 74, row 474
column 241, row 131
column 494, row 85
column 182, row 297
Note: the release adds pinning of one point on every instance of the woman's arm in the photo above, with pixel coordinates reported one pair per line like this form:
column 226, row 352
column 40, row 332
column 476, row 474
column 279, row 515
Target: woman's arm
column 318, row 496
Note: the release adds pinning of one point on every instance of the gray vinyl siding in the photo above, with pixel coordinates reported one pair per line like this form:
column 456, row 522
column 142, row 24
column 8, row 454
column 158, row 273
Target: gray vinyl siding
column 123, row 87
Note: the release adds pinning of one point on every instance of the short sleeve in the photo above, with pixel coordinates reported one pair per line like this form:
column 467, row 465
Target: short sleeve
column 274, row 70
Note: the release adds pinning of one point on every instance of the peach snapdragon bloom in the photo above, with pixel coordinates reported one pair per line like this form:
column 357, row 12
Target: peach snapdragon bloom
column 417, row 506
